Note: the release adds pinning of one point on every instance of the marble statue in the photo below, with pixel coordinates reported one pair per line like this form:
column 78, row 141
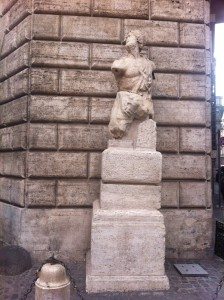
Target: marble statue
column 134, row 75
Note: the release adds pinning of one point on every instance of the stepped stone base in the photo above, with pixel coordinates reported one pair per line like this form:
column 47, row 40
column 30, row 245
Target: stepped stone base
column 127, row 251
column 105, row 283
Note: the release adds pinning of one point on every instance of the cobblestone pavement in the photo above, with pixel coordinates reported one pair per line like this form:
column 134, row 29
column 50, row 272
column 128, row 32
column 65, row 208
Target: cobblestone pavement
column 183, row 288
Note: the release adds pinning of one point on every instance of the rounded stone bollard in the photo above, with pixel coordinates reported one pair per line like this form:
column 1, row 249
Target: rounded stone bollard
column 53, row 283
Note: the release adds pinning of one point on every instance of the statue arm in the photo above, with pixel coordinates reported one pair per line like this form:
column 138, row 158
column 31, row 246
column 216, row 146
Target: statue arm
column 118, row 67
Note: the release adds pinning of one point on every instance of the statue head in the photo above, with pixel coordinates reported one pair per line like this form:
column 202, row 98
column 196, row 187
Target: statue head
column 134, row 38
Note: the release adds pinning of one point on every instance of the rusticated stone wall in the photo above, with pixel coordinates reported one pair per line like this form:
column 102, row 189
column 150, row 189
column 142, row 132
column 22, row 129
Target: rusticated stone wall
column 56, row 93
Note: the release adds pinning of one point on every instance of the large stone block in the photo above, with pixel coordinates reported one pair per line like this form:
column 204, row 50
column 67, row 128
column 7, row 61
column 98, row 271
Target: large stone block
column 46, row 27
column 100, row 110
column 12, row 190
column 193, row 140
column 192, row 86
column 131, row 166
column 19, row 11
column 41, row 193
column 43, row 136
column 170, row 194
column 14, row 137
column 58, row 109
column 57, row 164
column 94, row 167
column 193, row 233
column 52, row 231
column 192, row 10
column 15, row 62
column 155, row 32
column 83, row 137
column 67, row 6
column 91, row 29
column 165, row 86
column 77, row 192
column 184, row 166
column 80, row 82
column 14, row 112
column 59, row 54
column 44, row 81
column 10, row 223
column 128, row 196
column 49, row 231
column 6, row 5
column 168, row 112
column 15, row 86
column 192, row 35
column 179, row 59
column 118, row 258
column 103, row 55
column 13, row 163
column 167, row 139
column 194, row 194
column 17, row 36
column 122, row 8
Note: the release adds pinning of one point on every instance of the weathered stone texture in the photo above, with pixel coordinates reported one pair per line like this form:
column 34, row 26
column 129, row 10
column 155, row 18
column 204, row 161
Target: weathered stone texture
column 13, row 163
column 17, row 36
column 194, row 140
column 192, row 86
column 43, row 136
column 44, row 81
column 15, row 62
column 167, row 139
column 170, row 194
column 165, row 86
column 19, row 11
column 41, row 193
column 83, row 137
column 89, row 82
column 192, row 35
column 184, row 166
column 46, row 27
column 192, row 10
column 193, row 233
column 12, row 190
column 58, row 109
column 194, row 194
column 59, row 54
column 169, row 112
column 91, row 29
column 67, row 6
column 56, row 164
column 14, row 137
column 122, row 8
column 14, row 111
column 94, row 170
column 100, row 110
column 179, row 59
column 77, row 192
column 155, row 32
column 14, row 87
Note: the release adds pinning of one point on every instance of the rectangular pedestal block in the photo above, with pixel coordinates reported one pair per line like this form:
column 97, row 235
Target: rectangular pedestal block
column 126, row 245
column 139, row 166
column 130, row 196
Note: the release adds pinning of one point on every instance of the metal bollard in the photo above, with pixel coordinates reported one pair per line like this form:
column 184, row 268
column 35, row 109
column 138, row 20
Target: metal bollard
column 52, row 283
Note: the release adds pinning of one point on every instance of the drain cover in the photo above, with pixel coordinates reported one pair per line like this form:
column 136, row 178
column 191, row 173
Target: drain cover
column 194, row 270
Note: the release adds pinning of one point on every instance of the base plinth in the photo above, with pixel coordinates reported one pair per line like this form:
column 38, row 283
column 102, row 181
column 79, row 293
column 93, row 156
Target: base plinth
column 103, row 283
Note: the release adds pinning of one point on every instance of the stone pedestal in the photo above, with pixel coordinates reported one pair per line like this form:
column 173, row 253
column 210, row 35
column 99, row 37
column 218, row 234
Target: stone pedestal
column 128, row 232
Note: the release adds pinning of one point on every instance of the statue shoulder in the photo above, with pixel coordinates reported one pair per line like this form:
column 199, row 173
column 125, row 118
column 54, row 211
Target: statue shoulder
column 151, row 64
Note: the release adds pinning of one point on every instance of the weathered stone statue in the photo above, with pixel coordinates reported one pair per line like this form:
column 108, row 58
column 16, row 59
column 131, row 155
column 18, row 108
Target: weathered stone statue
column 128, row 233
column 134, row 74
